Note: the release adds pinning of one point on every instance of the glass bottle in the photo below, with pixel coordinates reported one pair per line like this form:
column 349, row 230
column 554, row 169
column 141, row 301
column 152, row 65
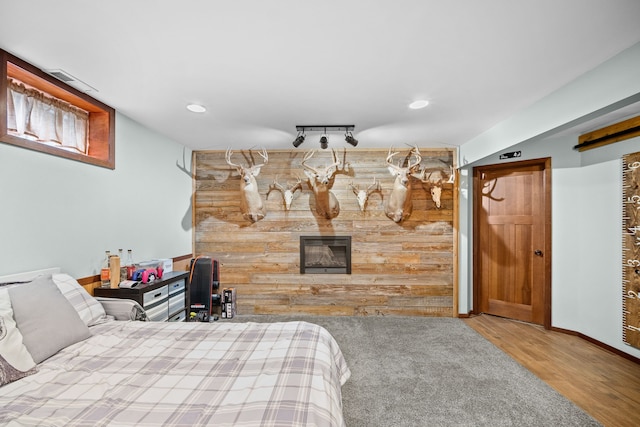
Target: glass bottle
column 123, row 268
column 105, row 271
column 129, row 265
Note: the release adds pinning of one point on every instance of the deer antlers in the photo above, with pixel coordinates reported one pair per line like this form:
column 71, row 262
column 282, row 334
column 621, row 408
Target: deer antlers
column 262, row 153
column 327, row 172
column 436, row 186
column 410, row 167
column 363, row 195
column 287, row 192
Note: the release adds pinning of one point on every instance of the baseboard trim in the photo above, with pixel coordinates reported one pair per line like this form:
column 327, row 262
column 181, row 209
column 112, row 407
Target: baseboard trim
column 598, row 343
column 581, row 336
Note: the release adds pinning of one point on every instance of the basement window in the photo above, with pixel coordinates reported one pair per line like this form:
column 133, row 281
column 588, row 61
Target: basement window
column 42, row 113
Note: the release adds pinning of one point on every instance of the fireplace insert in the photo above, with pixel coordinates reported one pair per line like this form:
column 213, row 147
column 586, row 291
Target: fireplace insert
column 325, row 254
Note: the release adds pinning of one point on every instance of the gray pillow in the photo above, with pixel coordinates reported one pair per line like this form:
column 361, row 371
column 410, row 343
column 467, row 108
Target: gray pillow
column 46, row 319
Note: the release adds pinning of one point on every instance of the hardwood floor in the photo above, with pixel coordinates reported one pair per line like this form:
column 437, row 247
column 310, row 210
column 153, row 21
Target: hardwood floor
column 603, row 384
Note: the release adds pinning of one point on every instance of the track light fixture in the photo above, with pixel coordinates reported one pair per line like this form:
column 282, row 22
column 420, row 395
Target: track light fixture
column 350, row 139
column 324, row 142
column 299, row 139
column 324, row 139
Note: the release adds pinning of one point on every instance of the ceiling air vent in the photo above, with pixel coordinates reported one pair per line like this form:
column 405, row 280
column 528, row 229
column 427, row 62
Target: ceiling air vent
column 71, row 81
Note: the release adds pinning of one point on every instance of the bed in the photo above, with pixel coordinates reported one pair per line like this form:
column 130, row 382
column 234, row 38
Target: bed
column 175, row 374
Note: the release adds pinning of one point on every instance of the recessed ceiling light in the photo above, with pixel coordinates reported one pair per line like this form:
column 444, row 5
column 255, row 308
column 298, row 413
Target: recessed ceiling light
column 416, row 105
column 195, row 108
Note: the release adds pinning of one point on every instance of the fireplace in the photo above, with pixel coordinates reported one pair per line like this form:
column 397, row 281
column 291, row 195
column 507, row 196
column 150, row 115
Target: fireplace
column 325, row 254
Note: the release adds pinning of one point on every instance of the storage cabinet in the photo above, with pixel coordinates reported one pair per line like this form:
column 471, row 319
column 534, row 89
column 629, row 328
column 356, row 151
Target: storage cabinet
column 156, row 305
column 163, row 300
column 178, row 300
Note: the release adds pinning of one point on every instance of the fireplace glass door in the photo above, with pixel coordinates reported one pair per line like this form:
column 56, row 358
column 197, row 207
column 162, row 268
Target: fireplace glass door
column 325, row 254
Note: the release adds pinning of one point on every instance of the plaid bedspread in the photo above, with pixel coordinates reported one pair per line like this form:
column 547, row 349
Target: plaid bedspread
column 186, row 374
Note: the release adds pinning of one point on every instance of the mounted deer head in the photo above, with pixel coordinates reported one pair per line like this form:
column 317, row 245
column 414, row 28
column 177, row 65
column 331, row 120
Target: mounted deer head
column 251, row 204
column 320, row 180
column 287, row 192
column 400, row 205
column 435, row 187
column 363, row 195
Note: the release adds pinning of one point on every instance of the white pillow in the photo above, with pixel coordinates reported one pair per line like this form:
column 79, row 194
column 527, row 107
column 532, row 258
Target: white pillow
column 89, row 309
column 15, row 360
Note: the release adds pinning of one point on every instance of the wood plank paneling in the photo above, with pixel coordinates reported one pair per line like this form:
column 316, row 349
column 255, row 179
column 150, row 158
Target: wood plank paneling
column 397, row 269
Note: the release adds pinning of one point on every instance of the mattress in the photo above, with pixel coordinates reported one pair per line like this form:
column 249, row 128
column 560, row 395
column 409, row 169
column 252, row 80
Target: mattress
column 186, row 374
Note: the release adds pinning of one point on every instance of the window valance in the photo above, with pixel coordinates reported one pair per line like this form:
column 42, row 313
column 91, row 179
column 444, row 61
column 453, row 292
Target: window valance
column 32, row 114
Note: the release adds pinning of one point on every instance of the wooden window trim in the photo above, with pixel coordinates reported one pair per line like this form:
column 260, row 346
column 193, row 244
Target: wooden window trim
column 101, row 116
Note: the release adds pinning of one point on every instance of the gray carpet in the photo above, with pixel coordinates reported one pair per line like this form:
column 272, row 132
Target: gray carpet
column 415, row 371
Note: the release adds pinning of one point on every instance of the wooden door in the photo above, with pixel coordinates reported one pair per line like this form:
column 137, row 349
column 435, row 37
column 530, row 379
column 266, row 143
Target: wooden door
column 512, row 250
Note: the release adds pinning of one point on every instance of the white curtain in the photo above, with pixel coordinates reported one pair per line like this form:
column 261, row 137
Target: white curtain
column 33, row 115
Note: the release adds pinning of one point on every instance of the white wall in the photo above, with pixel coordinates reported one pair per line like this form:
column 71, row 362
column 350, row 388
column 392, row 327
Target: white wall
column 587, row 248
column 600, row 286
column 567, row 232
column 610, row 85
column 586, row 197
column 59, row 212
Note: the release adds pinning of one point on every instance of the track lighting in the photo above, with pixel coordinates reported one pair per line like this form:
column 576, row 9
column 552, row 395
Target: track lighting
column 324, row 143
column 350, row 139
column 324, row 139
column 299, row 140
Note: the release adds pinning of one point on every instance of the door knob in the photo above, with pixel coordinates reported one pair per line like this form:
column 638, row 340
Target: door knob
column 537, row 252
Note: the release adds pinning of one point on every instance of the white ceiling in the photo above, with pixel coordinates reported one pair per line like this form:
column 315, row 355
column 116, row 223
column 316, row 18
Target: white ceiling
column 263, row 67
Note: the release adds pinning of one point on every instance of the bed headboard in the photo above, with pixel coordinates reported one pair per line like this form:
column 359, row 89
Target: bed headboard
column 28, row 275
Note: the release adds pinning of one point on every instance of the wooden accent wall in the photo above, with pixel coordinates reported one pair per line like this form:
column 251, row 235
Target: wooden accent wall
column 397, row 269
